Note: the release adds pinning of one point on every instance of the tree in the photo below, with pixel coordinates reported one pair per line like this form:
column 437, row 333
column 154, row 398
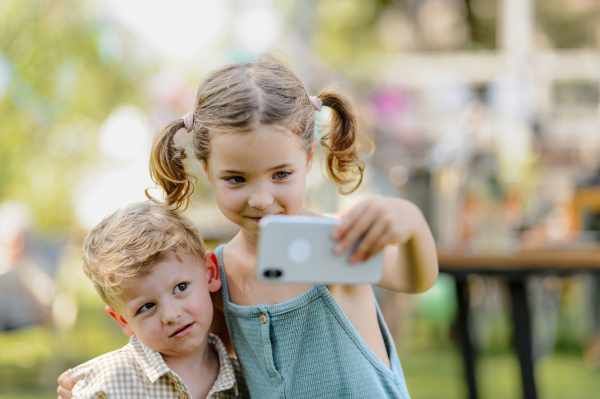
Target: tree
column 65, row 68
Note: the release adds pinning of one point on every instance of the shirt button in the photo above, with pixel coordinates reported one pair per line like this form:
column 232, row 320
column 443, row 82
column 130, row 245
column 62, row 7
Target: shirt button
column 182, row 396
column 263, row 318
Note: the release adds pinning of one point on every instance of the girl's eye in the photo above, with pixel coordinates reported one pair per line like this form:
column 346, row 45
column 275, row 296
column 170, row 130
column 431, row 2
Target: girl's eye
column 281, row 175
column 180, row 288
column 145, row 307
column 235, row 180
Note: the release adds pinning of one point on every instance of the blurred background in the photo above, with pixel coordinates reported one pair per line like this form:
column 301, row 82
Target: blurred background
column 485, row 113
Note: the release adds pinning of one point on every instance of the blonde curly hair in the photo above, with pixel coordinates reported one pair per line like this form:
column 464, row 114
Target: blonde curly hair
column 131, row 240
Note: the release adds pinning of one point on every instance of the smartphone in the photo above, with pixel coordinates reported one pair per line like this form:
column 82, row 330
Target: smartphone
column 299, row 249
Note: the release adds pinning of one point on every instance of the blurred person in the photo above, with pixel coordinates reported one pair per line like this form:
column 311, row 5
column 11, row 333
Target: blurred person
column 26, row 289
column 253, row 131
column 149, row 266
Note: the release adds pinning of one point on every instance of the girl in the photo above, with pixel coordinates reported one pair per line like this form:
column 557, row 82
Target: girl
column 253, row 131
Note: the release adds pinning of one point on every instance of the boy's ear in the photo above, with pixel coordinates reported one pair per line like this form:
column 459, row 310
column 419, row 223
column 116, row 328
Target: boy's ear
column 212, row 271
column 120, row 319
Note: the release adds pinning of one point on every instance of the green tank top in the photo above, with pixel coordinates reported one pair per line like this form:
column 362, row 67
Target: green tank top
column 307, row 348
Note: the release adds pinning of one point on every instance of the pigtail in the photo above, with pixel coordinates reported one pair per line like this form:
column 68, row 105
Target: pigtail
column 343, row 163
column 167, row 168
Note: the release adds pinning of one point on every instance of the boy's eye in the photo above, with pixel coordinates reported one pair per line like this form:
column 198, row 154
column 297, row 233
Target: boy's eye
column 145, row 307
column 281, row 175
column 180, row 288
column 235, row 179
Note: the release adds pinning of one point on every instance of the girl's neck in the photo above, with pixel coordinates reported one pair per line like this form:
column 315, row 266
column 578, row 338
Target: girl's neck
column 244, row 288
column 244, row 243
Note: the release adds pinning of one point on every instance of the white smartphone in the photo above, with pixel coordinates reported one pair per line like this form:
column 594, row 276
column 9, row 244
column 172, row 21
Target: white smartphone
column 299, row 249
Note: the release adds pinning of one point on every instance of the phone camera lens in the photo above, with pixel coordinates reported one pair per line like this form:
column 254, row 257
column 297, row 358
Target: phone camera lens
column 272, row 273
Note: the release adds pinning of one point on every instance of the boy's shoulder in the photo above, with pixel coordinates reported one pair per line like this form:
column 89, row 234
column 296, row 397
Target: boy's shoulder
column 132, row 366
column 120, row 358
column 133, row 370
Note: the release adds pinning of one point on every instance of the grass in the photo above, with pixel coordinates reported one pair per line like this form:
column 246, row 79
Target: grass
column 438, row 374
column 433, row 372
column 32, row 358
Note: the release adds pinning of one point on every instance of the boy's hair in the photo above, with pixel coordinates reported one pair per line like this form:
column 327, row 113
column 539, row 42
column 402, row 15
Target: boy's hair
column 238, row 98
column 131, row 240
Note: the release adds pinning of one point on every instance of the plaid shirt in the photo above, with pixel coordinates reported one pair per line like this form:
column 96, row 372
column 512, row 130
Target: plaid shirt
column 136, row 371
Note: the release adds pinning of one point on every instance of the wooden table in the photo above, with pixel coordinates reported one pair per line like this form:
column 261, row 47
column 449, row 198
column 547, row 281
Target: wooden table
column 514, row 267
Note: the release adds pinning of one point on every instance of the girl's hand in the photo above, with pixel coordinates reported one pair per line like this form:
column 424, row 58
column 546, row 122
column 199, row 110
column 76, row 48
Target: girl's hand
column 411, row 266
column 379, row 221
column 65, row 386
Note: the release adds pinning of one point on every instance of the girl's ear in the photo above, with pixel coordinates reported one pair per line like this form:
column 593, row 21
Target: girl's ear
column 311, row 156
column 212, row 271
column 120, row 319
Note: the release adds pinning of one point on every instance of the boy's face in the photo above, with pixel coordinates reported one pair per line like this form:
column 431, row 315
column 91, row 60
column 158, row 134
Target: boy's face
column 170, row 309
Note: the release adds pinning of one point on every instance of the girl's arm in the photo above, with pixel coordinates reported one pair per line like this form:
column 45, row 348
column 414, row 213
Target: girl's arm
column 398, row 227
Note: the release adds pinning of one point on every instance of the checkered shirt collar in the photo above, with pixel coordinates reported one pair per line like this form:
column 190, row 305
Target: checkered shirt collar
column 155, row 367
column 226, row 378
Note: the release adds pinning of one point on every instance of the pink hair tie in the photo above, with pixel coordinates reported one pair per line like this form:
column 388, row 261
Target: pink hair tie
column 316, row 103
column 188, row 121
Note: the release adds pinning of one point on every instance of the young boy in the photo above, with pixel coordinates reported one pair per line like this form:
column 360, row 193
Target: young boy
column 149, row 266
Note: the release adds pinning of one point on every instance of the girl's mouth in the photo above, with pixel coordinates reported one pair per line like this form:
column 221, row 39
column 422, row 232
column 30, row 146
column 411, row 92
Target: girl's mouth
column 182, row 332
column 258, row 218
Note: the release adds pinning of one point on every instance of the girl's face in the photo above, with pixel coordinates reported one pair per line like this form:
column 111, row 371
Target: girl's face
column 259, row 173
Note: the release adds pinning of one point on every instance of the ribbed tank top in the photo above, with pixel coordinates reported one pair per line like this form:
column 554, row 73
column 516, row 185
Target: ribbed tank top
column 307, row 348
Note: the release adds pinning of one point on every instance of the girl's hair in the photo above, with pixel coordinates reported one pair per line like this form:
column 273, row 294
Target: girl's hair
column 131, row 240
column 241, row 96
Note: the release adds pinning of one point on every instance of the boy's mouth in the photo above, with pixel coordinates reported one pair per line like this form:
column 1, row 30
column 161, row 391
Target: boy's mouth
column 182, row 332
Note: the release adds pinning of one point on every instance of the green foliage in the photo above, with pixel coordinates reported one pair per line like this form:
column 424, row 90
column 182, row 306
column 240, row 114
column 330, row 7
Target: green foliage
column 346, row 34
column 64, row 80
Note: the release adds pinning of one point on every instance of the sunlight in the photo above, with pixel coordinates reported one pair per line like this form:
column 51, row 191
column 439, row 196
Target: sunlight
column 181, row 29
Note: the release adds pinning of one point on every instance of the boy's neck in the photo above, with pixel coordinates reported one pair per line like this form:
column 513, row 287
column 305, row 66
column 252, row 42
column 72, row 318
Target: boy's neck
column 204, row 363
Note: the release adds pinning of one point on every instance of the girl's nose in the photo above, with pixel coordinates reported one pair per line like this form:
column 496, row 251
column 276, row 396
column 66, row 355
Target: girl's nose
column 260, row 198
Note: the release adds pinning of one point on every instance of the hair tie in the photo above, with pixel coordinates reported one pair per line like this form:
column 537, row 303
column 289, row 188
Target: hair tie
column 188, row 121
column 316, row 103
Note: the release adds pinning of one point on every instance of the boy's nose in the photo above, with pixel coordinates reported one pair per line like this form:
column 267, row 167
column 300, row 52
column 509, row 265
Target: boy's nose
column 260, row 198
column 170, row 313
